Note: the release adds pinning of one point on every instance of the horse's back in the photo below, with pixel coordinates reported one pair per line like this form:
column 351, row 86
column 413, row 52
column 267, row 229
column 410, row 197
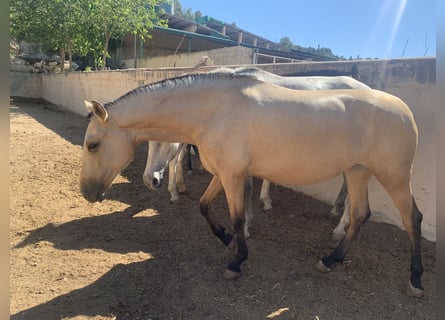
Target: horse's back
column 333, row 130
column 304, row 82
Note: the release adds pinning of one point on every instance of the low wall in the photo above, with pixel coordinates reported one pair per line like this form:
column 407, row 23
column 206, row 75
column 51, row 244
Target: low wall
column 230, row 55
column 413, row 80
column 27, row 85
column 69, row 90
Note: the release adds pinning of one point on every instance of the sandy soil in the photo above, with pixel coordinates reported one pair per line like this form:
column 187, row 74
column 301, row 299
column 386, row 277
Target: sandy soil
column 137, row 256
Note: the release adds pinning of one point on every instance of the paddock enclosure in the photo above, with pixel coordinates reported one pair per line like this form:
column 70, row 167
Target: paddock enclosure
column 412, row 80
column 138, row 256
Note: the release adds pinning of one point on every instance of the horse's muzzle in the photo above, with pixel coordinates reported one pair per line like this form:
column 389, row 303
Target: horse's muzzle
column 92, row 194
column 154, row 182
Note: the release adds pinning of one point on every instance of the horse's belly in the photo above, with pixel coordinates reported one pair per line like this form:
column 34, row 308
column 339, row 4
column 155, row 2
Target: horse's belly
column 303, row 162
column 297, row 173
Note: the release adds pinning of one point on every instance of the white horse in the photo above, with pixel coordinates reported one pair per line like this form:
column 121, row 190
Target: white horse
column 244, row 127
column 163, row 154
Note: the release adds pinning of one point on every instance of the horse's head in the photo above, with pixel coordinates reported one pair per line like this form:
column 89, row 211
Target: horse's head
column 159, row 156
column 107, row 149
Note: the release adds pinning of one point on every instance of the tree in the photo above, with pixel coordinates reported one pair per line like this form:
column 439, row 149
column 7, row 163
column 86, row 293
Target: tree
column 186, row 13
column 198, row 14
column 58, row 25
column 178, row 10
column 286, row 44
column 81, row 26
column 110, row 18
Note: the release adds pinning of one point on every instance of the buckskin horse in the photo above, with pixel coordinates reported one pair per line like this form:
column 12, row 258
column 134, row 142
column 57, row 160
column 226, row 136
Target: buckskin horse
column 163, row 154
column 245, row 127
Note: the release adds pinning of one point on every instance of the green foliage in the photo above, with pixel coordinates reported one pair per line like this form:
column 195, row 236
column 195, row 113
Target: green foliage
column 115, row 18
column 54, row 24
column 286, row 45
column 186, row 13
column 81, row 26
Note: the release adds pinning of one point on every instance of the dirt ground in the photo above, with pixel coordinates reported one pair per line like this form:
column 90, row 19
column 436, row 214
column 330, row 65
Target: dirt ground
column 138, row 256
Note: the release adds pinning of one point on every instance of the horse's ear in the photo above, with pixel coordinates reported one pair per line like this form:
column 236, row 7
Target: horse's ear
column 98, row 109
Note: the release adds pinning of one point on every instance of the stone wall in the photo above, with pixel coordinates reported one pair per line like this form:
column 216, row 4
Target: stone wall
column 413, row 80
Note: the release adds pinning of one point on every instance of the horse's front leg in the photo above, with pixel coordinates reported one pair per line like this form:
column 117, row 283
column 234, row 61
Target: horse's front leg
column 179, row 175
column 234, row 189
column 248, row 205
column 174, row 197
column 205, row 203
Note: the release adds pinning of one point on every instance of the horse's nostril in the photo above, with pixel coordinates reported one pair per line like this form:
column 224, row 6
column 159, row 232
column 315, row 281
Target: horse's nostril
column 156, row 183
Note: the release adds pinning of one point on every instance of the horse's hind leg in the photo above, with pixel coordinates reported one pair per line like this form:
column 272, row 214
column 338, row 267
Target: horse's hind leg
column 205, row 203
column 265, row 197
column 339, row 204
column 189, row 157
column 248, row 207
column 401, row 194
column 357, row 179
column 340, row 230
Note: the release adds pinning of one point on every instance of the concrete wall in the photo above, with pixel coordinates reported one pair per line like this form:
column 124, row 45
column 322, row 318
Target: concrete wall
column 69, row 90
column 413, row 80
column 224, row 56
column 25, row 84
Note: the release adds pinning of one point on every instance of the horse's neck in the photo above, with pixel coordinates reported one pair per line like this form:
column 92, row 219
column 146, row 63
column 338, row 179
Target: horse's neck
column 164, row 116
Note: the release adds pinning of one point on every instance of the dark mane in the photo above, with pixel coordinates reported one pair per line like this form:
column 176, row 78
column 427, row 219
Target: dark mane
column 180, row 81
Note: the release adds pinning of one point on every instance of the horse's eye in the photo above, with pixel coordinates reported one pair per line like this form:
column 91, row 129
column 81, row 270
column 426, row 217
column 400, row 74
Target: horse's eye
column 92, row 146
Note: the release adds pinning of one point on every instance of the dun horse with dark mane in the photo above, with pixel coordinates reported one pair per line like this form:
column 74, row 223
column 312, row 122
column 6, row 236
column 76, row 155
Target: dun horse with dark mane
column 163, row 154
column 245, row 127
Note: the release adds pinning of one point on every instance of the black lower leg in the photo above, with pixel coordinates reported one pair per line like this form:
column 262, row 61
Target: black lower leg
column 189, row 157
column 416, row 257
column 337, row 256
column 242, row 251
column 224, row 236
column 217, row 230
column 241, row 255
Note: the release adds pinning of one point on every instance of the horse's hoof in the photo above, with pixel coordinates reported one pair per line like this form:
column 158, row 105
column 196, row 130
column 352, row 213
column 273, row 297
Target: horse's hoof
column 321, row 267
column 267, row 206
column 231, row 275
column 412, row 291
column 335, row 212
column 175, row 200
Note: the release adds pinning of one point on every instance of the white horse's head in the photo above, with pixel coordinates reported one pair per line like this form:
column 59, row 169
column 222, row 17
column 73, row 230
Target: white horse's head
column 159, row 156
column 107, row 149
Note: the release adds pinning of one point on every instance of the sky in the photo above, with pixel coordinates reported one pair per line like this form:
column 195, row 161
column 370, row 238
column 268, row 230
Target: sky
column 350, row 28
